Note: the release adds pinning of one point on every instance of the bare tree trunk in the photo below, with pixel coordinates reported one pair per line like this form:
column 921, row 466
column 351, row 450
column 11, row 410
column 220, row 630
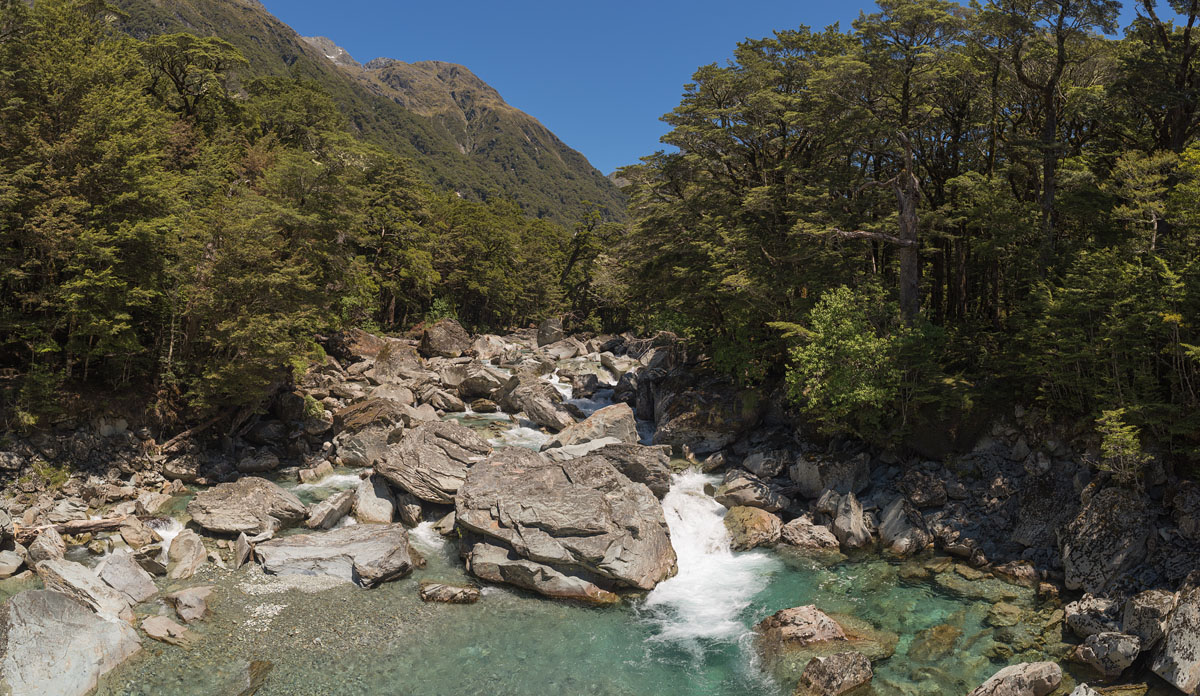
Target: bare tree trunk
column 907, row 196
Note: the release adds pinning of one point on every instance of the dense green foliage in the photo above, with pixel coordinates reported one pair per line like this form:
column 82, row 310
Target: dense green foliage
column 1026, row 189
column 173, row 228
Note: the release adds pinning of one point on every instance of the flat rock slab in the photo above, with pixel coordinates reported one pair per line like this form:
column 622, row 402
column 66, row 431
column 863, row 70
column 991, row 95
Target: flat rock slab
column 191, row 604
column 252, row 505
column 363, row 554
column 448, row 594
column 124, row 575
column 80, row 582
column 164, row 630
column 53, row 645
column 431, row 460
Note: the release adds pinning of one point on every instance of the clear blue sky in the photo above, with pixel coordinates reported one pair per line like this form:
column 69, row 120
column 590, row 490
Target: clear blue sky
column 598, row 74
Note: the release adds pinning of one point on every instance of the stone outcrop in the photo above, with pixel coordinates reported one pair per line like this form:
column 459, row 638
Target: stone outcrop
column 849, row 525
column 252, row 505
column 445, row 338
column 1109, row 654
column 1146, row 615
column 902, row 529
column 1025, row 679
column 373, row 501
column 186, row 555
column 578, row 529
column 752, row 527
column 124, row 575
column 648, row 465
column 813, row 476
column 328, row 512
column 79, row 582
column 431, row 461
column 614, row 421
column 1178, row 660
column 744, row 488
column 54, row 645
column 363, row 554
column 1090, row 615
column 1110, row 536
column 802, row 533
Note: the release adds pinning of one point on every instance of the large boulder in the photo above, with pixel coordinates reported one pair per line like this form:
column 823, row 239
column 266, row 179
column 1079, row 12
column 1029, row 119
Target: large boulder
column 1185, row 510
column 1146, row 615
column 549, row 331
column 445, row 338
column 835, row 675
column 328, row 512
column 1025, row 679
column 799, row 626
column 1090, row 615
column 395, row 362
column 472, row 380
column 538, row 400
column 640, row 464
column 704, row 413
column 252, row 505
column 902, row 529
column 804, row 534
column 48, row 545
column 54, row 645
column 363, row 428
column 363, row 554
column 849, row 525
column 122, row 573
column 431, row 460
column 577, row 529
column 1178, row 660
column 1110, row 536
column 813, row 476
column 743, row 488
column 614, row 421
column 751, row 527
column 1109, row 654
column 186, row 555
column 374, row 502
column 79, row 582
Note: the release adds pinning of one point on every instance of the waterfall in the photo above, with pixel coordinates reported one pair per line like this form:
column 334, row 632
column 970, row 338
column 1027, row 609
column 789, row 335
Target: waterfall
column 167, row 528
column 706, row 598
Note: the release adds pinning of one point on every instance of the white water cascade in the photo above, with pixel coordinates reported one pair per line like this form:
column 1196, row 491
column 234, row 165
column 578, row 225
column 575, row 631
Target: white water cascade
column 167, row 528
column 705, row 600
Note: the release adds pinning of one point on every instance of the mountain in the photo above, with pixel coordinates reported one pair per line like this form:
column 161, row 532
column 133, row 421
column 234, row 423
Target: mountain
column 458, row 129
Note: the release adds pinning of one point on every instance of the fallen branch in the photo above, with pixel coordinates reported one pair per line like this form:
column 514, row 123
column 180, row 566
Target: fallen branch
column 26, row 535
column 175, row 441
column 877, row 236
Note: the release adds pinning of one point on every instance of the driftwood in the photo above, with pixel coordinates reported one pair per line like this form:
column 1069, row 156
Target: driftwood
column 26, row 535
column 181, row 437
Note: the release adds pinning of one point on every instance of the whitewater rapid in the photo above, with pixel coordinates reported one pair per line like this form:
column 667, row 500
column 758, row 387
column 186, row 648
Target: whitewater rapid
column 706, row 599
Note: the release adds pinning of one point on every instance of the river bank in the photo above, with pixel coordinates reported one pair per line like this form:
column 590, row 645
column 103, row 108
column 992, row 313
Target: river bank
column 941, row 573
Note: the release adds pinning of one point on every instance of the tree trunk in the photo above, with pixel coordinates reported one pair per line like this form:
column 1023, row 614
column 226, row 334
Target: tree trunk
column 907, row 196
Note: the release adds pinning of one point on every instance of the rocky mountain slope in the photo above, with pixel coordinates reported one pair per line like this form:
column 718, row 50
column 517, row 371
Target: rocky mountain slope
column 457, row 128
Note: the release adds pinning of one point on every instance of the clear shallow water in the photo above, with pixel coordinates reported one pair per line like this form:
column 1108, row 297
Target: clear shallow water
column 691, row 636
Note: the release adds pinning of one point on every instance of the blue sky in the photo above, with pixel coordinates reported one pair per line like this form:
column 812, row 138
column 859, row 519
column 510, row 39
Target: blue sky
column 598, row 74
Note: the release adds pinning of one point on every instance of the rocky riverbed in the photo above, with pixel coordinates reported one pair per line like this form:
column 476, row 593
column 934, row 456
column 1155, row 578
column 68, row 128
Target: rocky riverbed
column 541, row 513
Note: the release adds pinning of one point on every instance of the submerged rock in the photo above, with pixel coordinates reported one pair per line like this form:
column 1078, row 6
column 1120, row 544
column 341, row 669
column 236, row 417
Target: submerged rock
column 164, row 630
column 835, row 675
column 448, row 594
column 363, row 554
column 1025, row 679
column 576, row 529
column 54, row 645
column 431, row 460
column 252, row 505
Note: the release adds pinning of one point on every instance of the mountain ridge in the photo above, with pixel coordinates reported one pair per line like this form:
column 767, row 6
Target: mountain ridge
column 458, row 130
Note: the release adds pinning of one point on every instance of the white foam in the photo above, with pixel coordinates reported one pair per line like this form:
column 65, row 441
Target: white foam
column 521, row 436
column 563, row 388
column 332, row 482
column 167, row 528
column 705, row 600
column 428, row 541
